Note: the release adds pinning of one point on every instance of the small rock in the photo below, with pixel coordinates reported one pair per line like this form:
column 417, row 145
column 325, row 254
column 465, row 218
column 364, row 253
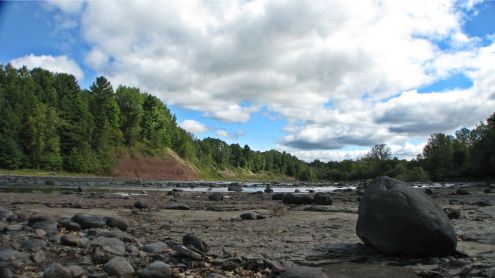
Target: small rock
column 428, row 191
column 50, row 227
column 87, row 221
column 278, row 196
column 461, row 191
column 103, row 248
column 76, row 271
column 235, row 187
column 178, row 206
column 5, row 214
column 452, row 213
column 303, row 272
column 69, row 225
column 186, row 252
column 487, row 190
column 117, row 223
column 33, row 244
column 6, row 273
column 38, row 257
column 268, row 189
column 155, row 247
column 481, row 203
column 322, row 198
column 140, row 205
column 251, row 216
column 70, row 240
column 157, row 269
column 297, row 199
column 119, row 267
column 55, row 270
column 195, row 241
column 215, row 197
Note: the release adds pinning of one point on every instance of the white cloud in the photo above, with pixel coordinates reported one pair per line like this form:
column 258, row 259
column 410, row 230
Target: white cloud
column 223, row 133
column 194, row 127
column 52, row 63
column 342, row 72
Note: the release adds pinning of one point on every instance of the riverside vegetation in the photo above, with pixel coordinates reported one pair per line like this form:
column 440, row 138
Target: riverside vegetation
column 48, row 122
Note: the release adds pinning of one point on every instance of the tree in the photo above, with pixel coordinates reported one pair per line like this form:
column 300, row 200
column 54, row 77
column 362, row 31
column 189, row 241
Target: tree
column 438, row 154
column 130, row 101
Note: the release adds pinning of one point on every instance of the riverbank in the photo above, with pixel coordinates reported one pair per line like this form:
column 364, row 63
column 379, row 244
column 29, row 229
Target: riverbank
column 282, row 237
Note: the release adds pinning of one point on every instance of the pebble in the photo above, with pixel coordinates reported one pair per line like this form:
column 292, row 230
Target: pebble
column 303, row 272
column 157, row 269
column 55, row 270
column 178, row 206
column 119, row 267
column 155, row 247
column 70, row 240
column 186, row 252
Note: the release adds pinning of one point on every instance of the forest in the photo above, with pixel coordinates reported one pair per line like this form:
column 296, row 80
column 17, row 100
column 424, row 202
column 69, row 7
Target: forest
column 48, row 122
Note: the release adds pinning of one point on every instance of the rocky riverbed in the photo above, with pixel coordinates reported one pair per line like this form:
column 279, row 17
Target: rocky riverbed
column 79, row 233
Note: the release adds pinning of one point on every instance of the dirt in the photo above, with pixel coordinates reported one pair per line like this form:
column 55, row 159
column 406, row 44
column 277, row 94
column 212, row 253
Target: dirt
column 154, row 168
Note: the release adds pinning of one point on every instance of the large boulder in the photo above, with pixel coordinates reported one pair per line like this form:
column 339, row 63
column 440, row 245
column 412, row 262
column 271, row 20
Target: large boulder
column 87, row 221
column 397, row 219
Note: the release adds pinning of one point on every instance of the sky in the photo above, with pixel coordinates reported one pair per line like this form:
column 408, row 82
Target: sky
column 323, row 79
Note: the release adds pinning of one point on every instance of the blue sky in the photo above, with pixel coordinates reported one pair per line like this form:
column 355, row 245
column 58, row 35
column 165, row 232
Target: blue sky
column 320, row 79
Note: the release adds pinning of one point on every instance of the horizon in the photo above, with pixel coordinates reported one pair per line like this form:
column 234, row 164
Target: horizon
column 326, row 86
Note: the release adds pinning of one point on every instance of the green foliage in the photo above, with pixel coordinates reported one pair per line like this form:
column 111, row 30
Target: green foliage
column 47, row 122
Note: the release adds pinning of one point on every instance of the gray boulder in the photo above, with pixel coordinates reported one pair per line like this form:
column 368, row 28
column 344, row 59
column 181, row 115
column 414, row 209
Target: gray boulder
column 177, row 206
column 191, row 239
column 155, row 247
column 103, row 248
column 397, row 219
column 237, row 187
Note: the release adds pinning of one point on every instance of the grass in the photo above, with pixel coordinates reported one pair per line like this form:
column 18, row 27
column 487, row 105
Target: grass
column 44, row 173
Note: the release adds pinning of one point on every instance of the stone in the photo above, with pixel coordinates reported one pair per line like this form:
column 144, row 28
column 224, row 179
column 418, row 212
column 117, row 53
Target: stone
column 303, row 272
column 70, row 240
column 397, row 219
column 33, row 244
column 155, row 247
column 215, row 197
column 323, row 198
column 297, row 199
column 428, row 191
column 39, row 257
column 69, row 225
column 178, row 206
column 183, row 251
column 87, row 221
column 157, row 269
column 140, row 205
column 49, row 226
column 452, row 213
column 55, row 270
column 6, row 273
column 104, row 248
column 278, row 196
column 481, row 203
column 119, row 267
column 487, row 190
column 5, row 214
column 237, row 187
column 268, row 189
column 251, row 216
column 191, row 239
column 76, row 271
column 114, row 222
column 39, row 217
column 461, row 191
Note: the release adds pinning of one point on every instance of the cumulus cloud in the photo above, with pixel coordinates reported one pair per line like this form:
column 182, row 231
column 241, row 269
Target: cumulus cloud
column 194, row 127
column 52, row 63
column 342, row 72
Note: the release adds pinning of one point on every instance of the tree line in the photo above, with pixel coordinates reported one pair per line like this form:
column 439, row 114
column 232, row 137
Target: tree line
column 48, row 122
